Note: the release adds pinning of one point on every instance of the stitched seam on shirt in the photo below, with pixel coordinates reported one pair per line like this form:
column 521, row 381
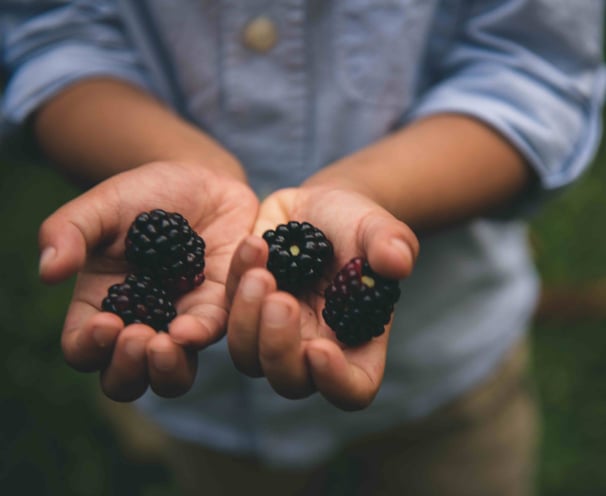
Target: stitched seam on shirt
column 310, row 84
column 298, row 76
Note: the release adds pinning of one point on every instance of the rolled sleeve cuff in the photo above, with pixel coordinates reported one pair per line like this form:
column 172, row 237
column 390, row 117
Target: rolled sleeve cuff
column 46, row 74
column 557, row 136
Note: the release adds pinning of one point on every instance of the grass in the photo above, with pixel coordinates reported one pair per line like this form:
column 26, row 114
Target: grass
column 53, row 440
column 570, row 339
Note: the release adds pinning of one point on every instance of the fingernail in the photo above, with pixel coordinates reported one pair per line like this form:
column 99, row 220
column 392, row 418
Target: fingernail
column 102, row 336
column 252, row 289
column 135, row 348
column 318, row 359
column 164, row 361
column 402, row 247
column 47, row 256
column 275, row 314
column 248, row 253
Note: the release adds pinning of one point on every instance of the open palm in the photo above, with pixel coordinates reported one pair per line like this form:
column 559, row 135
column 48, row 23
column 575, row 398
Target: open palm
column 87, row 236
column 273, row 334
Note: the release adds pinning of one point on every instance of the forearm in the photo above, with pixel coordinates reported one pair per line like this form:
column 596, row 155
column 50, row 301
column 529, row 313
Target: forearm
column 436, row 172
column 100, row 127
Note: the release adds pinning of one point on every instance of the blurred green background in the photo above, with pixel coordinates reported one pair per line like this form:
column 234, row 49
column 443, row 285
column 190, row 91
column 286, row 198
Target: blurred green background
column 53, row 441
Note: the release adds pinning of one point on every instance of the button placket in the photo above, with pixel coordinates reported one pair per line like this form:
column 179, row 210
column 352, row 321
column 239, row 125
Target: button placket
column 294, row 58
column 264, row 90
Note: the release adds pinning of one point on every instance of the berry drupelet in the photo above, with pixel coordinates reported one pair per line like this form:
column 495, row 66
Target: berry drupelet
column 298, row 254
column 140, row 300
column 164, row 246
column 359, row 303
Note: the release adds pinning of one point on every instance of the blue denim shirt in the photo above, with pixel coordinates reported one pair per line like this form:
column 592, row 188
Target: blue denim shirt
column 338, row 75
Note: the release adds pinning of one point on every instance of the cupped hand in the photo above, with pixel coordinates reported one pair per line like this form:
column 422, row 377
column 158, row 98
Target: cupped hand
column 86, row 236
column 271, row 333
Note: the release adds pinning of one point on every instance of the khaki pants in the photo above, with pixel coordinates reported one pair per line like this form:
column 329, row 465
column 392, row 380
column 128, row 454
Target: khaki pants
column 483, row 444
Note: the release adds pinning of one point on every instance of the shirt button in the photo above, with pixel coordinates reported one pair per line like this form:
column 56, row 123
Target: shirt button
column 260, row 34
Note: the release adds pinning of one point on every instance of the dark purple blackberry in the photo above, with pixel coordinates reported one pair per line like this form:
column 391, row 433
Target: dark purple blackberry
column 359, row 303
column 298, row 254
column 164, row 245
column 140, row 300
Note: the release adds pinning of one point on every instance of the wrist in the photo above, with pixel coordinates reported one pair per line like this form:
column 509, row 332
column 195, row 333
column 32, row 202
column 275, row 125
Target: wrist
column 97, row 128
column 335, row 177
column 437, row 172
column 214, row 159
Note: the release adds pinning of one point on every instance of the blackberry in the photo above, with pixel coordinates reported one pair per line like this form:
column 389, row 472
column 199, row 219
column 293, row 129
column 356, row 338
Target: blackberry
column 298, row 253
column 140, row 300
column 164, row 246
column 359, row 303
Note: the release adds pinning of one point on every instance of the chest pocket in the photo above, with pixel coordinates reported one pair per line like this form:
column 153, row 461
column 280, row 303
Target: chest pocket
column 379, row 45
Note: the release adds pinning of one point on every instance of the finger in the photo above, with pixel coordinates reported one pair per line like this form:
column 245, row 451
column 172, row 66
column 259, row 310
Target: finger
column 171, row 369
column 202, row 318
column 88, row 343
column 274, row 210
column 350, row 384
column 244, row 321
column 280, row 352
column 191, row 331
column 250, row 253
column 125, row 378
column 69, row 233
column 390, row 245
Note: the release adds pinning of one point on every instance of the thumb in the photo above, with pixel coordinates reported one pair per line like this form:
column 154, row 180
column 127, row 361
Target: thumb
column 390, row 245
column 276, row 209
column 67, row 235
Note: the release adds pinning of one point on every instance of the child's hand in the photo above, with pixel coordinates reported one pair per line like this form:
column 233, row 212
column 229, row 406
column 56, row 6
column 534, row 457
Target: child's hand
column 87, row 236
column 273, row 334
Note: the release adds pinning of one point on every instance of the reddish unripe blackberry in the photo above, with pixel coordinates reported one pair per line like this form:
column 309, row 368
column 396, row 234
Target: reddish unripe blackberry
column 298, row 254
column 140, row 300
column 359, row 303
column 164, row 245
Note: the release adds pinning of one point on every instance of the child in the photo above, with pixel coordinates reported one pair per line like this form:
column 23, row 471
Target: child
column 370, row 120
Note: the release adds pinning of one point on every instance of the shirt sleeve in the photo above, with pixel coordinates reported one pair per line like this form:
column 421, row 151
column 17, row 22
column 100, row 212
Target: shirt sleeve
column 532, row 70
column 48, row 45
